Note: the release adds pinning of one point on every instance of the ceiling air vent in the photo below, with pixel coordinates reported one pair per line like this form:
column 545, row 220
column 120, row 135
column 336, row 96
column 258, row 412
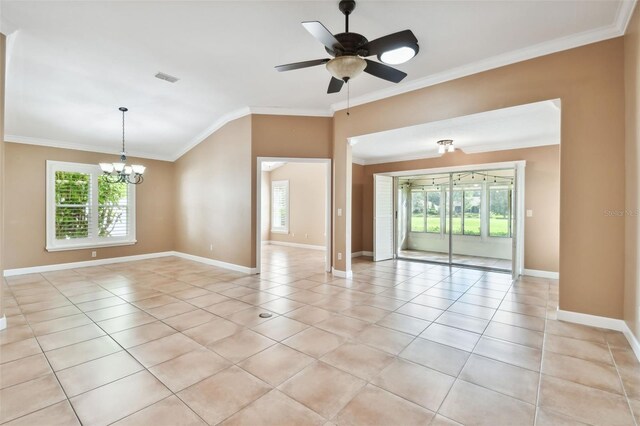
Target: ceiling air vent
column 166, row 77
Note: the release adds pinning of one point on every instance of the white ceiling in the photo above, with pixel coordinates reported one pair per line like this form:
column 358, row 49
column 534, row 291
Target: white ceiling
column 522, row 126
column 73, row 63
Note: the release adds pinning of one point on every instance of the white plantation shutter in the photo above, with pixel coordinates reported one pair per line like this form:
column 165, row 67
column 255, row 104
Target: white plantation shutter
column 280, row 206
column 84, row 210
column 383, row 217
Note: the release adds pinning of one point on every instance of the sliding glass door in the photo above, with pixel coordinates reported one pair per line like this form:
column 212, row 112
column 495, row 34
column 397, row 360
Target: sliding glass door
column 459, row 218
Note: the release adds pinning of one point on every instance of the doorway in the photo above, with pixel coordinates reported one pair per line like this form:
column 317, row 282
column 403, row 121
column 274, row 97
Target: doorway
column 466, row 217
column 293, row 220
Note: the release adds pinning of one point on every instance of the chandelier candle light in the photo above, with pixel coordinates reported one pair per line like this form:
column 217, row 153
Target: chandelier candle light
column 121, row 172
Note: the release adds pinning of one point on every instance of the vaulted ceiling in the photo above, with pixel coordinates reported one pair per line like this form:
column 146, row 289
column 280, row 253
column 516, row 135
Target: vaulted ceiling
column 71, row 64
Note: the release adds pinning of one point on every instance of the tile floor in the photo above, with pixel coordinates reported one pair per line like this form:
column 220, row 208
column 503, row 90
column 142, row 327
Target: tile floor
column 169, row 341
column 462, row 259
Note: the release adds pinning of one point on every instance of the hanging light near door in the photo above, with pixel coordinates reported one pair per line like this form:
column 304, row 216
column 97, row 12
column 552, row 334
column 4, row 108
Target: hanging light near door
column 445, row 145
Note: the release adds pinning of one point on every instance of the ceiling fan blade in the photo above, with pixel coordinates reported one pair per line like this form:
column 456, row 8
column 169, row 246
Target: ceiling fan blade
column 390, row 42
column 323, row 35
column 384, row 72
column 304, row 64
column 335, row 85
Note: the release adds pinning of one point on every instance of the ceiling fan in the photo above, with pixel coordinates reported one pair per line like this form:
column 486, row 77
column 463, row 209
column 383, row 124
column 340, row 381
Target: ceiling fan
column 349, row 51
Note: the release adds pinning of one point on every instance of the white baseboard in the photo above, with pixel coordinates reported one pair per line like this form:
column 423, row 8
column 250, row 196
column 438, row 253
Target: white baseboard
column 592, row 320
column 542, row 274
column 342, row 274
column 602, row 322
column 3, row 322
column 633, row 341
column 218, row 263
column 84, row 264
column 298, row 245
column 362, row 253
column 99, row 262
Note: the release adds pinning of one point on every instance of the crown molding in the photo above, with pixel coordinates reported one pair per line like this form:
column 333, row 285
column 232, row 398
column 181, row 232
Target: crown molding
column 216, row 125
column 6, row 26
column 242, row 112
column 358, row 160
column 51, row 143
column 616, row 29
column 625, row 12
column 306, row 112
column 434, row 154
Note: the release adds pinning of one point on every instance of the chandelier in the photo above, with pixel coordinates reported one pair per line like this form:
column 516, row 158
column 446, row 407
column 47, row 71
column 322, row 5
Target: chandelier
column 121, row 172
column 445, row 145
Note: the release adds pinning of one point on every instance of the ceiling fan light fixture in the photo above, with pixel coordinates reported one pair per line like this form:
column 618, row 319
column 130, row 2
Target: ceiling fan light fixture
column 346, row 67
column 399, row 55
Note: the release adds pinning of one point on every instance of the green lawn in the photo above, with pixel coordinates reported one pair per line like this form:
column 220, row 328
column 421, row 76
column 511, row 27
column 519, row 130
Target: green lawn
column 498, row 226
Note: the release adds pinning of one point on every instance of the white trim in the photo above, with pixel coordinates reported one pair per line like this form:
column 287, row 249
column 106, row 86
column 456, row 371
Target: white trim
column 616, row 29
column 216, row 125
column 541, row 274
column 625, row 12
column 26, row 140
column 602, row 322
column 362, row 254
column 99, row 262
column 342, row 274
column 462, row 168
column 592, row 320
column 3, row 322
column 218, row 263
column 243, row 112
column 298, row 245
column 84, row 264
column 93, row 170
column 468, row 150
column 329, row 194
column 305, row 112
column 633, row 340
column 359, row 161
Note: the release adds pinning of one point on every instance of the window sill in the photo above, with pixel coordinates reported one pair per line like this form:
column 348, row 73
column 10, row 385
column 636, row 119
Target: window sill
column 279, row 231
column 90, row 245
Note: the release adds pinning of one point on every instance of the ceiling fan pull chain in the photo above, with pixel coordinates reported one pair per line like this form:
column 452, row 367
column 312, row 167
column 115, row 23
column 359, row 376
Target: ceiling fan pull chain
column 348, row 97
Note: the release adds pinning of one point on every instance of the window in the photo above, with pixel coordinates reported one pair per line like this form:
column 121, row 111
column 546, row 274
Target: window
column 280, row 206
column 500, row 211
column 433, row 211
column 84, row 210
column 471, row 222
column 457, row 212
column 417, row 211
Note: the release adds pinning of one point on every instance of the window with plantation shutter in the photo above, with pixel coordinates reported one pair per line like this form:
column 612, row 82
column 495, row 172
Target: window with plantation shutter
column 280, row 206
column 84, row 210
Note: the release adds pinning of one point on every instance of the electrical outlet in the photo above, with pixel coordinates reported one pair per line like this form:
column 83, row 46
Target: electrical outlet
column 339, row 212
column 211, row 247
column 94, row 253
column 339, row 256
column 529, row 213
column 306, row 235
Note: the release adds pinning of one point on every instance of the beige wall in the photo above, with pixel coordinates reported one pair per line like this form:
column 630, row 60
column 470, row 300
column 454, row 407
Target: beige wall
column 3, row 41
column 307, row 199
column 25, row 207
column 213, row 197
column 542, row 195
column 632, row 180
column 357, row 191
column 265, row 209
column 289, row 137
column 589, row 81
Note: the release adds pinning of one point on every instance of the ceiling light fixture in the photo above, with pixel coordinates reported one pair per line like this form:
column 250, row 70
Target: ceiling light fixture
column 121, row 172
column 399, row 55
column 445, row 145
column 346, row 67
